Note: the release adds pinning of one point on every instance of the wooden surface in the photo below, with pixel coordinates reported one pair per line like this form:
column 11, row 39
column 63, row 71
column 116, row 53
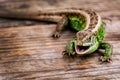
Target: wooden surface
column 28, row 52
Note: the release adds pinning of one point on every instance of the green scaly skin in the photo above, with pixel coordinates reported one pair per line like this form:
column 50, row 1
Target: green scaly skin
column 90, row 29
column 94, row 42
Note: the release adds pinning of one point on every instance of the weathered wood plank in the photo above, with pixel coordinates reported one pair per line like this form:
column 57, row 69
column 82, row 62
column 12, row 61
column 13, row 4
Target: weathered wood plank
column 28, row 52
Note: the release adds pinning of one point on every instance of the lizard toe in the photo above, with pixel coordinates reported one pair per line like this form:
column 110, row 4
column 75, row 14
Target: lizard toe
column 56, row 35
column 104, row 59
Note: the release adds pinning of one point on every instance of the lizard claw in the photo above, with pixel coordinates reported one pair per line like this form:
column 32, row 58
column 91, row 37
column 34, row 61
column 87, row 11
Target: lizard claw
column 104, row 59
column 64, row 52
column 56, row 35
column 68, row 54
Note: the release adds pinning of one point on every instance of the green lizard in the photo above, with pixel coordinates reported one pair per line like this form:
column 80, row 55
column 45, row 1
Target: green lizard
column 88, row 24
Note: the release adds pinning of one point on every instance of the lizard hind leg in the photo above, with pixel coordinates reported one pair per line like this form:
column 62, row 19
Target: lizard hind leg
column 60, row 26
column 108, row 52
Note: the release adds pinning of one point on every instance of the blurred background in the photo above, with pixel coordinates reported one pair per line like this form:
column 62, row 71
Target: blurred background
column 28, row 52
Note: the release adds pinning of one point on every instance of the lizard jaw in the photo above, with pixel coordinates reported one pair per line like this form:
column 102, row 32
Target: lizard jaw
column 81, row 49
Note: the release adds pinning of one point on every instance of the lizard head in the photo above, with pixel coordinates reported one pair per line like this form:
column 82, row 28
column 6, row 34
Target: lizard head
column 86, row 42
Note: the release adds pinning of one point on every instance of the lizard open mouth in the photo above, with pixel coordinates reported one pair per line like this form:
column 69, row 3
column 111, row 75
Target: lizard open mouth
column 81, row 49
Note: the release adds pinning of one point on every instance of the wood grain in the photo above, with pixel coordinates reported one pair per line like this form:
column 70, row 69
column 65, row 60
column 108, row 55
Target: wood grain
column 28, row 52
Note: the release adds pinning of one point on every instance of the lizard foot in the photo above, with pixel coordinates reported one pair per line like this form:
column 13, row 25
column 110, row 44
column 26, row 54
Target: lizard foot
column 56, row 35
column 105, row 59
column 69, row 54
column 64, row 53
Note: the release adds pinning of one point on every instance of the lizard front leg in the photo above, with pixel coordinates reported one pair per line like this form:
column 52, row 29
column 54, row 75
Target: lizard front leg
column 107, row 53
column 60, row 26
column 70, row 48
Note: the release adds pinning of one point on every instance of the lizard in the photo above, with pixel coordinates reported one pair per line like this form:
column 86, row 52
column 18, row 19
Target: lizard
column 87, row 23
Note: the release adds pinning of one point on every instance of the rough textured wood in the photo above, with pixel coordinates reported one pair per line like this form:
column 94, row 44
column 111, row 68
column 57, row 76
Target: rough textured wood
column 28, row 52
